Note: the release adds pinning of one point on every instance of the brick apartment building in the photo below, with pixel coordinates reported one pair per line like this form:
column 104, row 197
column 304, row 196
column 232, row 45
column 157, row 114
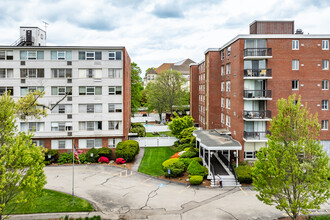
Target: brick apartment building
column 96, row 112
column 236, row 86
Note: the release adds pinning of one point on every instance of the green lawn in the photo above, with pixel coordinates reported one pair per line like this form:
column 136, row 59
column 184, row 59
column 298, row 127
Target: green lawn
column 151, row 163
column 52, row 201
column 164, row 133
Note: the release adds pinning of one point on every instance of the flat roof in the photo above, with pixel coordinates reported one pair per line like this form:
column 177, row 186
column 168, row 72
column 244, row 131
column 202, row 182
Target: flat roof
column 216, row 140
column 63, row 47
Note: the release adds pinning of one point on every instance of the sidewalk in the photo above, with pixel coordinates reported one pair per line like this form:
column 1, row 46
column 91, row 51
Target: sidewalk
column 58, row 215
column 138, row 160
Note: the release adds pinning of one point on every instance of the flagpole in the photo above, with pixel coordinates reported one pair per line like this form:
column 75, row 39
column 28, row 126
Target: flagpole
column 72, row 173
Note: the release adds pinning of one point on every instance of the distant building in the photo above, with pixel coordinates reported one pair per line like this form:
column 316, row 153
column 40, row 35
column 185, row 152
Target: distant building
column 96, row 112
column 182, row 67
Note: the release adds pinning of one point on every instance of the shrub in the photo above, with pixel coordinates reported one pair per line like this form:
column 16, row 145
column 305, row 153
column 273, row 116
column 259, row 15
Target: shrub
column 176, row 169
column 198, row 159
column 179, row 124
column 195, row 168
column 103, row 160
column 127, row 150
column 176, row 155
column 120, row 161
column 94, row 158
column 137, row 125
column 53, row 154
column 195, row 180
column 189, row 154
column 168, row 162
column 244, row 174
column 181, row 147
column 186, row 136
column 104, row 152
column 82, row 158
column 64, row 158
column 206, row 171
column 186, row 161
column 141, row 131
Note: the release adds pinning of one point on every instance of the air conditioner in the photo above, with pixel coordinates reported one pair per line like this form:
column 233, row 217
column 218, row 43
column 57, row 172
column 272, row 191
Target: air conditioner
column 69, row 63
column 69, row 116
column 22, row 80
column 69, row 81
column 69, row 133
column 23, row 63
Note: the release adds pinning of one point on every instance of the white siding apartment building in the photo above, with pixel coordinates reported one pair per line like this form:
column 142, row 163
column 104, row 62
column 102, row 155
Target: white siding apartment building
column 96, row 112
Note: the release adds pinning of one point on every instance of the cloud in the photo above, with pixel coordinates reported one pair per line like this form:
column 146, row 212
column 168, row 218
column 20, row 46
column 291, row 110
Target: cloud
column 169, row 10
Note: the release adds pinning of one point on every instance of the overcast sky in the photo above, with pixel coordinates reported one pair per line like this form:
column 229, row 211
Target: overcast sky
column 155, row 31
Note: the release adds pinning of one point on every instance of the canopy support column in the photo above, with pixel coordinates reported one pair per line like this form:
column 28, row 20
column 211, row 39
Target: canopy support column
column 236, row 158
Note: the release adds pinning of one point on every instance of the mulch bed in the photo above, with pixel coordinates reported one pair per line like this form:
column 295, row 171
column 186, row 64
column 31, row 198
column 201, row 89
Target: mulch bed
column 183, row 179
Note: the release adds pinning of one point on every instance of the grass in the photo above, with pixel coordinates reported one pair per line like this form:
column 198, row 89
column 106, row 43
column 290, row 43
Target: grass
column 151, row 163
column 165, row 133
column 53, row 201
column 320, row 217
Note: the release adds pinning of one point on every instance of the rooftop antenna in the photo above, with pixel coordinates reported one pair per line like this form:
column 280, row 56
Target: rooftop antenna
column 46, row 24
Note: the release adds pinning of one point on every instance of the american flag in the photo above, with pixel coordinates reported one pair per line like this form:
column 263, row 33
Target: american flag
column 76, row 153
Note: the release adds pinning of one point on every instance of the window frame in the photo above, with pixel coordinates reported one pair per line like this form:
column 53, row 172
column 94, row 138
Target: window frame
column 325, row 104
column 325, row 44
column 295, row 85
column 295, row 44
column 295, row 64
column 325, row 84
column 324, row 125
column 325, row 64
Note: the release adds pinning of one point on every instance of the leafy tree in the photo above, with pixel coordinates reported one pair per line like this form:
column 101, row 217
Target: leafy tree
column 21, row 162
column 292, row 171
column 178, row 124
column 156, row 98
column 136, row 87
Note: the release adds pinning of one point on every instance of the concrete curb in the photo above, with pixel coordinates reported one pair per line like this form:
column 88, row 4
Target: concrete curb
column 56, row 215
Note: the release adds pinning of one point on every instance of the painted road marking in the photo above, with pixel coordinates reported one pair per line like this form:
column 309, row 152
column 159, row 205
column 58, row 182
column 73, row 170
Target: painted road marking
column 243, row 191
column 181, row 191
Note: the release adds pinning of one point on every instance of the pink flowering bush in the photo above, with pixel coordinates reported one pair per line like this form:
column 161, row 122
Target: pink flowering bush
column 120, row 161
column 103, row 160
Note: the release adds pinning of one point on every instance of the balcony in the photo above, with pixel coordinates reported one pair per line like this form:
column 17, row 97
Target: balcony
column 258, row 53
column 256, row 136
column 257, row 94
column 263, row 115
column 257, row 73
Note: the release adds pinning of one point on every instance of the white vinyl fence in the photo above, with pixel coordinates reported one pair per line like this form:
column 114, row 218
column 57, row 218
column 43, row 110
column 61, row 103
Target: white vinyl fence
column 156, row 128
column 155, row 141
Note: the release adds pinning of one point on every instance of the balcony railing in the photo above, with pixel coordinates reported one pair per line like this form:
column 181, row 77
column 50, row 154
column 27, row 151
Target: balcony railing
column 256, row 135
column 257, row 94
column 263, row 114
column 258, row 73
column 257, row 52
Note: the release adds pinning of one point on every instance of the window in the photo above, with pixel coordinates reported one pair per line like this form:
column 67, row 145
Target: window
column 325, row 64
column 222, row 118
column 114, row 55
column 112, row 142
column 32, row 126
column 228, row 51
column 90, row 108
column 115, row 73
column 62, row 144
column 325, row 105
column 93, row 143
column 228, row 86
column 90, row 55
column 228, row 68
column 61, row 55
column 31, row 55
column 295, row 84
column 90, row 125
column 325, row 44
column 222, row 70
column 115, row 107
column 295, row 44
column 62, row 73
column 32, row 73
column 228, row 120
column 325, row 84
column 26, row 90
column 324, row 125
column 222, row 53
column 90, row 90
column 8, row 89
column 222, row 102
column 295, row 64
column 114, row 125
column 61, row 126
column 62, row 108
column 222, row 86
column 250, row 154
column 61, row 90
column 90, row 73
column 39, row 143
column 6, row 73
column 6, row 55
column 114, row 90
column 227, row 103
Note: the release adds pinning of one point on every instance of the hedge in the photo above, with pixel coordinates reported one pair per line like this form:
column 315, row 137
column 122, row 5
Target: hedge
column 94, row 158
column 195, row 168
column 244, row 174
column 104, row 152
column 176, row 169
column 195, row 180
column 127, row 150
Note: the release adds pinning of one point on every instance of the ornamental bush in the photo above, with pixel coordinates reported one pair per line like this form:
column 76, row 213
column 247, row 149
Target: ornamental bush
column 244, row 174
column 176, row 169
column 141, row 131
column 104, row 152
column 53, row 155
column 120, row 161
column 198, row 159
column 137, row 125
column 189, row 154
column 103, row 160
column 127, row 150
column 168, row 162
column 178, row 124
column 195, row 168
column 64, row 158
column 195, row 180
column 94, row 158
column 186, row 161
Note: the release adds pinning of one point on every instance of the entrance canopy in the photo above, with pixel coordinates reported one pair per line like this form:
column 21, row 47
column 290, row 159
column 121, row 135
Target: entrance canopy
column 216, row 139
